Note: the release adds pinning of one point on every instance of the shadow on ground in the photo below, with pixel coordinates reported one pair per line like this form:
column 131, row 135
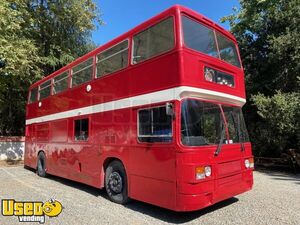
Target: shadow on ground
column 176, row 217
column 281, row 175
column 10, row 162
column 144, row 208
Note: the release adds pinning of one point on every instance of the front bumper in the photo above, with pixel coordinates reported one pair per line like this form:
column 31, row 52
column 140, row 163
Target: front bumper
column 195, row 196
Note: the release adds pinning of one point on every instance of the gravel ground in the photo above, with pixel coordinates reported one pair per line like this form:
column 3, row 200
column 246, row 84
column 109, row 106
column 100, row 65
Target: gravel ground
column 275, row 199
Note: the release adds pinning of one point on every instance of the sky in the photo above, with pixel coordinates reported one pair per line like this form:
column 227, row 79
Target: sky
column 120, row 16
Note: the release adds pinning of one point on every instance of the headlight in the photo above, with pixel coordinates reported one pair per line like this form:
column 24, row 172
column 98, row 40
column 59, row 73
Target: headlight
column 207, row 170
column 202, row 172
column 249, row 163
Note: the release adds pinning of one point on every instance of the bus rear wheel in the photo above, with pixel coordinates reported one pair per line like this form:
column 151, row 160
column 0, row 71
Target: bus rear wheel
column 116, row 183
column 41, row 165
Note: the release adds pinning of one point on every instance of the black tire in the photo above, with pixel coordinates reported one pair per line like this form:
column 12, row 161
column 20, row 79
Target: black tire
column 116, row 183
column 41, row 165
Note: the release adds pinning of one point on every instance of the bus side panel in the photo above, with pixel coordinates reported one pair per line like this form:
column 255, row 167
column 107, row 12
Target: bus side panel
column 152, row 171
column 111, row 137
column 29, row 153
column 152, row 175
column 36, row 140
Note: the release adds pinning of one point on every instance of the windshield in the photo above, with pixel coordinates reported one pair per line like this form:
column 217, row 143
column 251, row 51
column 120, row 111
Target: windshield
column 202, row 39
column 202, row 123
column 236, row 125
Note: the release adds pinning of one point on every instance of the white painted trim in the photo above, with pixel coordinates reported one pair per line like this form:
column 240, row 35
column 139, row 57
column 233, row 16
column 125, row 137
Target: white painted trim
column 176, row 93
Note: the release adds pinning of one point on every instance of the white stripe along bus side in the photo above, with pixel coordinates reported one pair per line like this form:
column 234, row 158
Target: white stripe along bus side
column 176, row 93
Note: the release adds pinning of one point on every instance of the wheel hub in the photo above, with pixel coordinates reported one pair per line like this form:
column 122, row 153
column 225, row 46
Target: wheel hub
column 115, row 182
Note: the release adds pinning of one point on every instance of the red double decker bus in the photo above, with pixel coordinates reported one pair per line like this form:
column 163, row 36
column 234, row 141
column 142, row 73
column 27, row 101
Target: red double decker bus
column 154, row 115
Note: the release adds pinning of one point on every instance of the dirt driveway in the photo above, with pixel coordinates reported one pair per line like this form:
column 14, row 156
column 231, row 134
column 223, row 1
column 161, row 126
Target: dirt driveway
column 275, row 199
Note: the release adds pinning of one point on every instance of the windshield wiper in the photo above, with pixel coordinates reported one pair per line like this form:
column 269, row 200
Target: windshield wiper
column 241, row 134
column 242, row 142
column 221, row 140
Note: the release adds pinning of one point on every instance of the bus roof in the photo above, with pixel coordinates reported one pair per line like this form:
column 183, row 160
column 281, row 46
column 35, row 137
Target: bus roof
column 176, row 9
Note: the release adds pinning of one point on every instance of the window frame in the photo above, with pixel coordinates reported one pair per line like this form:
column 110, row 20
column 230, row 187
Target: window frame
column 30, row 93
column 72, row 74
column 40, row 89
column 74, row 131
column 156, row 136
column 204, row 25
column 128, row 58
column 148, row 27
column 221, row 71
column 236, row 49
column 215, row 38
column 209, row 101
column 54, row 82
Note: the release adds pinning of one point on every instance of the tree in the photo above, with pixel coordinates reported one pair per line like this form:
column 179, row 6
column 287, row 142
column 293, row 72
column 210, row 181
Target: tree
column 38, row 37
column 280, row 125
column 268, row 36
column 62, row 29
column 20, row 61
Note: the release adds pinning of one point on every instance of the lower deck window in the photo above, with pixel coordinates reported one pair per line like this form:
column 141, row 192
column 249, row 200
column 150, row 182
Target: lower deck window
column 81, row 130
column 154, row 125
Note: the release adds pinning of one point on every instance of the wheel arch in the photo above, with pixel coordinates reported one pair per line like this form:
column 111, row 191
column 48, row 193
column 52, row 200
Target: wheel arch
column 41, row 151
column 105, row 164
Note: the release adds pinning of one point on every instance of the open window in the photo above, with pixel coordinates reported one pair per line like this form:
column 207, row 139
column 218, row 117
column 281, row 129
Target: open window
column 154, row 125
column 81, row 129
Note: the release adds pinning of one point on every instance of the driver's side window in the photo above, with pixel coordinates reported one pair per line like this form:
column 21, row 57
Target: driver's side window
column 154, row 125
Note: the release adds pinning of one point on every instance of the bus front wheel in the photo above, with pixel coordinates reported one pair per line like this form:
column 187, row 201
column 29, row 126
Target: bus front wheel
column 116, row 182
column 41, row 165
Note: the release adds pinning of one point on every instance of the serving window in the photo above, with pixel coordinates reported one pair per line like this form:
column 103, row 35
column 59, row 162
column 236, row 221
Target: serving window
column 154, row 125
column 81, row 129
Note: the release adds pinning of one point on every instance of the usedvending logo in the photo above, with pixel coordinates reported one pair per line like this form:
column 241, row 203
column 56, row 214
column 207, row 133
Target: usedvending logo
column 31, row 211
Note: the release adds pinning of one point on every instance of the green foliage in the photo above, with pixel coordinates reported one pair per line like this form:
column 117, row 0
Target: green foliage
column 17, row 51
column 268, row 35
column 269, row 41
column 281, row 111
column 38, row 37
column 61, row 29
column 281, row 124
column 20, row 68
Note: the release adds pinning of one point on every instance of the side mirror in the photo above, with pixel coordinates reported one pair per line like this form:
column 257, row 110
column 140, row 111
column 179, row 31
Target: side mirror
column 170, row 109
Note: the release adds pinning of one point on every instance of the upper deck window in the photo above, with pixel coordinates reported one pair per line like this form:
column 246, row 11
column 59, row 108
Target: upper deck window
column 82, row 73
column 153, row 41
column 45, row 89
column 202, row 39
column 33, row 95
column 228, row 50
column 199, row 37
column 112, row 59
column 60, row 82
